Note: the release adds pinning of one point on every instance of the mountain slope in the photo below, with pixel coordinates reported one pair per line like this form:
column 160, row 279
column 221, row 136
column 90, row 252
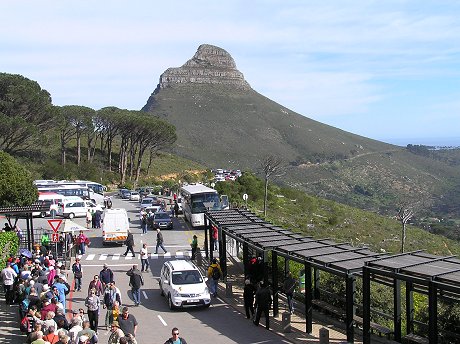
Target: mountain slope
column 222, row 122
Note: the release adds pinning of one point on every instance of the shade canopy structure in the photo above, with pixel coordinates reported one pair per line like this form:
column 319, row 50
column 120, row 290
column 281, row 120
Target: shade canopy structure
column 436, row 276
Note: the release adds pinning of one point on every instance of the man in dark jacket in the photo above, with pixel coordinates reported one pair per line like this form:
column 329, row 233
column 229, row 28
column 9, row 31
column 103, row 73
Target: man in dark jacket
column 248, row 295
column 135, row 281
column 105, row 275
column 263, row 303
column 130, row 244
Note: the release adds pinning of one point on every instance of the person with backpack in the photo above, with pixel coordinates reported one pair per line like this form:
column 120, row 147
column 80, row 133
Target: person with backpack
column 110, row 297
column 263, row 303
column 175, row 339
column 194, row 246
column 77, row 273
column 29, row 320
column 214, row 274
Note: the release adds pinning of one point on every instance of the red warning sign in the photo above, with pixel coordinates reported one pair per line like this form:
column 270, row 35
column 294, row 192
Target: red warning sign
column 55, row 237
column 55, row 224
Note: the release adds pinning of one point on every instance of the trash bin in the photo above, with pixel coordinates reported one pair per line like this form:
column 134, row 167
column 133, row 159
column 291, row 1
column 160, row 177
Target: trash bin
column 199, row 258
column 286, row 322
column 229, row 288
column 323, row 336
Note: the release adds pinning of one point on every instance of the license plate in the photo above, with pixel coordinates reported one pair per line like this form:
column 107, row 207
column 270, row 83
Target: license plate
column 193, row 301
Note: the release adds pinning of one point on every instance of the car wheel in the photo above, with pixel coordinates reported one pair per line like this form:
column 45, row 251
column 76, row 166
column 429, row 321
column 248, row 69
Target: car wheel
column 71, row 215
column 162, row 293
column 207, row 306
column 170, row 303
column 43, row 215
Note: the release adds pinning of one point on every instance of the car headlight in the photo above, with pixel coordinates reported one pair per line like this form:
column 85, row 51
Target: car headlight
column 175, row 293
column 206, row 290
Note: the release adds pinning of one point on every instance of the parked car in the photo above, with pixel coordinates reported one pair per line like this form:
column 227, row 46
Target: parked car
column 120, row 192
column 134, row 196
column 147, row 202
column 126, row 194
column 162, row 220
column 75, row 206
column 183, row 285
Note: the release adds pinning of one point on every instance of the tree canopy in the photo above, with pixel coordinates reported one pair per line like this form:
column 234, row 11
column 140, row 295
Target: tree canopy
column 25, row 113
column 16, row 187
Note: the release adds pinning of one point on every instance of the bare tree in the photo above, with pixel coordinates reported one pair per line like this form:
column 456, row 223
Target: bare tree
column 405, row 213
column 271, row 167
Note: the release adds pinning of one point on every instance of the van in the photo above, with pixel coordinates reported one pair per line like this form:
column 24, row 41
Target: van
column 183, row 285
column 48, row 198
column 75, row 206
column 115, row 226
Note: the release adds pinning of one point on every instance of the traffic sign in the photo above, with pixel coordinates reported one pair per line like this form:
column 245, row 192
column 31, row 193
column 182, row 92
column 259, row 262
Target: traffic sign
column 55, row 224
column 245, row 197
column 55, row 237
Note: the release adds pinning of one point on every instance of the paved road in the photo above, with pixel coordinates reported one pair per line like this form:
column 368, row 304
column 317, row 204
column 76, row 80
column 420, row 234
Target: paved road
column 219, row 323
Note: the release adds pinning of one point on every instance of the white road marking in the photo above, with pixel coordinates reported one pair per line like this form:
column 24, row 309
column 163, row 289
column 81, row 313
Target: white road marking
column 90, row 256
column 145, row 295
column 129, row 257
column 116, row 256
column 162, row 320
column 111, row 265
column 167, row 254
column 103, row 256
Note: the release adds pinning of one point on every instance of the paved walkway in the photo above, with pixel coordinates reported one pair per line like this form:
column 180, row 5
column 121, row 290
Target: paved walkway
column 336, row 329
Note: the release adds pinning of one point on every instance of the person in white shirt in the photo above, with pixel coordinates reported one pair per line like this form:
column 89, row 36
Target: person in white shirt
column 144, row 258
column 8, row 276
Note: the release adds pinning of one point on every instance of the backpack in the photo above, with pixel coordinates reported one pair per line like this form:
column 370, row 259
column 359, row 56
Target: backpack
column 25, row 325
column 25, row 305
column 215, row 273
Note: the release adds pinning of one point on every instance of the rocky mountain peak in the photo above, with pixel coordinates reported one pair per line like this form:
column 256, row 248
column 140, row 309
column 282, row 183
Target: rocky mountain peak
column 209, row 65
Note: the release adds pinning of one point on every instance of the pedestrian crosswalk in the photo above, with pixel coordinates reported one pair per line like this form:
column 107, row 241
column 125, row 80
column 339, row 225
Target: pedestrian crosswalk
column 118, row 256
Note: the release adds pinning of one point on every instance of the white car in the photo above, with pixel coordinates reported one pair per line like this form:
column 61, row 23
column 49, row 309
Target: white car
column 183, row 285
column 134, row 196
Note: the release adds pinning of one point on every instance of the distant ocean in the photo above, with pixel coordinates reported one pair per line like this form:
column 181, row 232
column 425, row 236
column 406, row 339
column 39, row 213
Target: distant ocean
column 428, row 141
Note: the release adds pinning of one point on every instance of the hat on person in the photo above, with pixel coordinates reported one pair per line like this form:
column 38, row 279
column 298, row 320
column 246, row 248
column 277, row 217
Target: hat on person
column 84, row 339
column 75, row 311
column 105, row 265
column 115, row 323
column 46, row 287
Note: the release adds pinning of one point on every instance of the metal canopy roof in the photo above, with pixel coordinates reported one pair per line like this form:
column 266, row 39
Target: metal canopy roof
column 342, row 257
column 37, row 207
column 422, row 266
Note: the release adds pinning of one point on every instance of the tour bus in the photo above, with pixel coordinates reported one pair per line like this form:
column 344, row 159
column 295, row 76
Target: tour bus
column 196, row 199
column 84, row 189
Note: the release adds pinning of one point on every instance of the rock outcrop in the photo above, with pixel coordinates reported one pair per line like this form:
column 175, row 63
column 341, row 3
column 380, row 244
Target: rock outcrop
column 209, row 65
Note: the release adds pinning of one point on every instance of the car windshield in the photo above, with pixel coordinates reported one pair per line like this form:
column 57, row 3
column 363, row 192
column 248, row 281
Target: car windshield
column 147, row 201
column 186, row 277
column 162, row 216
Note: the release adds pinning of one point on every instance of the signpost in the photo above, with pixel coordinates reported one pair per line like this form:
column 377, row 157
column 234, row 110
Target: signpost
column 55, row 224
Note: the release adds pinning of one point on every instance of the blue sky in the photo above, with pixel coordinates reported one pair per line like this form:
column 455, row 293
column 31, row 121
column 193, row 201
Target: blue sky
column 388, row 70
